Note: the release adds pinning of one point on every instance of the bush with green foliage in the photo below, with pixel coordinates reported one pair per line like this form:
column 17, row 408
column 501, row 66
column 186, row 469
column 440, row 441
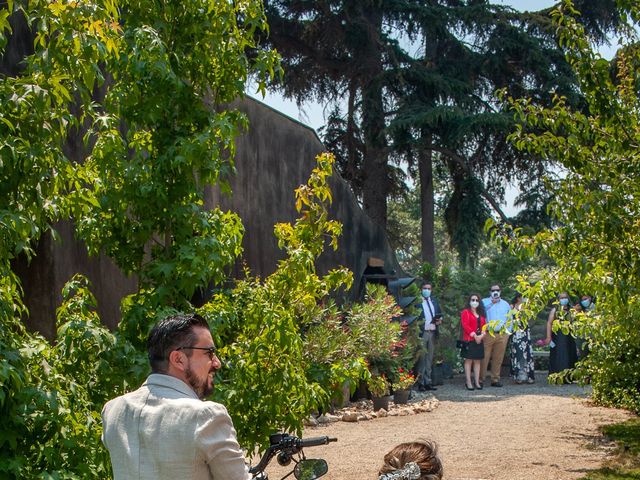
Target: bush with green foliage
column 374, row 331
column 405, row 380
column 595, row 248
column 52, row 393
column 347, row 346
column 333, row 359
column 378, row 385
column 262, row 323
column 155, row 136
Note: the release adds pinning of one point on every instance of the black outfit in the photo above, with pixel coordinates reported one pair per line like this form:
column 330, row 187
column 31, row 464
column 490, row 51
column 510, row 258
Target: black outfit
column 564, row 354
column 475, row 351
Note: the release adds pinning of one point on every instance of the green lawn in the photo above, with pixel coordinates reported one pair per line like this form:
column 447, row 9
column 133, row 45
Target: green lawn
column 626, row 463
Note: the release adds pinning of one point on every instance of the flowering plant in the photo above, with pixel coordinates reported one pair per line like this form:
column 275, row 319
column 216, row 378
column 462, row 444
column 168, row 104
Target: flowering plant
column 405, row 380
column 378, row 385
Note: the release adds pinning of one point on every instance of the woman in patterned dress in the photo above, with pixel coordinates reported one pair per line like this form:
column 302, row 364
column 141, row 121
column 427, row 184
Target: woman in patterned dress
column 522, row 366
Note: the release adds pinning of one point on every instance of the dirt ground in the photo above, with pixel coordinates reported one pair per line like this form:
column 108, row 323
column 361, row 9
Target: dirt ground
column 537, row 431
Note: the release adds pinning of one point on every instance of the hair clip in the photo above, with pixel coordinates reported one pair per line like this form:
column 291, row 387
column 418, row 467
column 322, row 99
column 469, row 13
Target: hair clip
column 411, row 471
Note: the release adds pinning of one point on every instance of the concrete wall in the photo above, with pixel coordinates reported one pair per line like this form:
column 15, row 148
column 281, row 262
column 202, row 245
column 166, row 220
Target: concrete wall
column 273, row 158
column 55, row 263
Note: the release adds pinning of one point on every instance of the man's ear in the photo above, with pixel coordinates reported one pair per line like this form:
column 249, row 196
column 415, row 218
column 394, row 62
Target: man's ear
column 177, row 360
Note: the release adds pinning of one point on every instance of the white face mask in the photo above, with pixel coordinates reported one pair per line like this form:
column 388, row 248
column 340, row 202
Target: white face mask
column 495, row 294
column 474, row 303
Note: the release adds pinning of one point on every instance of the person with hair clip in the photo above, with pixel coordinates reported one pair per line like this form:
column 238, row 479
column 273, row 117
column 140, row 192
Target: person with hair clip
column 473, row 322
column 412, row 461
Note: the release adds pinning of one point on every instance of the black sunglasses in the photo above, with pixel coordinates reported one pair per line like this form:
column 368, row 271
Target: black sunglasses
column 495, row 290
column 210, row 350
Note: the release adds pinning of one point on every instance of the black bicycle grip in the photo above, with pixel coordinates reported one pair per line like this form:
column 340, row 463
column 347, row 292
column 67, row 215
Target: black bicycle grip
column 315, row 441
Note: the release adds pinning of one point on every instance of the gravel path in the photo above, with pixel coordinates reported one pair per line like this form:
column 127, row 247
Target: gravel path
column 515, row 432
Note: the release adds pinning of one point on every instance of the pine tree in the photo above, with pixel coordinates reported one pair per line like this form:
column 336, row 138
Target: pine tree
column 345, row 49
column 449, row 111
column 438, row 105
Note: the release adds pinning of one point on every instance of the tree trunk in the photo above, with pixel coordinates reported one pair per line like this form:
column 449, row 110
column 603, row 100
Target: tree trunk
column 427, row 210
column 376, row 184
column 425, row 167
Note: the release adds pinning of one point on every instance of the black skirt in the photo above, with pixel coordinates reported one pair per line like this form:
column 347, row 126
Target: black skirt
column 564, row 355
column 474, row 351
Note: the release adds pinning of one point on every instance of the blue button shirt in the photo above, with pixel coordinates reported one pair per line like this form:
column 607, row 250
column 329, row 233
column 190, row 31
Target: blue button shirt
column 496, row 312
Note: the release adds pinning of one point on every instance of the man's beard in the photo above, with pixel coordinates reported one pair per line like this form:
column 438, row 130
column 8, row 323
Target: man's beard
column 201, row 387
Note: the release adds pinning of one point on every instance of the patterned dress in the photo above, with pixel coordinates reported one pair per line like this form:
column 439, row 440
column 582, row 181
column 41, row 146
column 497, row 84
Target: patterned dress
column 522, row 366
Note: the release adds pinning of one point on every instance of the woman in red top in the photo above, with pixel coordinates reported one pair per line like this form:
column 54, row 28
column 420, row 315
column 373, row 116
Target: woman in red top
column 473, row 321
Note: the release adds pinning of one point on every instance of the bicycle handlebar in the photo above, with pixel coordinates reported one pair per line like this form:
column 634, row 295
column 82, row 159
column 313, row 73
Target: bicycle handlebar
column 289, row 444
column 315, row 441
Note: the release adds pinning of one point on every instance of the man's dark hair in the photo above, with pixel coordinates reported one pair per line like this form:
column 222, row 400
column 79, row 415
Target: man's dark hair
column 170, row 333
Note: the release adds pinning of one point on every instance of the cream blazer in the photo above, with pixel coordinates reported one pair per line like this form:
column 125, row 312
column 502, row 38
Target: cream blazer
column 163, row 431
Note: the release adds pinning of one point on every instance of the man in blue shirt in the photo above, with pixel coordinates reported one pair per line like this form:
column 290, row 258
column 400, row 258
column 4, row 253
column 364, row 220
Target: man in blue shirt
column 430, row 311
column 495, row 343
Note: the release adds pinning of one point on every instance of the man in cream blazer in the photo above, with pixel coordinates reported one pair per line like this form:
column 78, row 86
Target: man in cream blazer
column 164, row 430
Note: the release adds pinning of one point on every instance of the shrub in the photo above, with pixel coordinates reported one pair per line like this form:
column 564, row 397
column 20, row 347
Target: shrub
column 51, row 423
column 405, row 380
column 378, row 385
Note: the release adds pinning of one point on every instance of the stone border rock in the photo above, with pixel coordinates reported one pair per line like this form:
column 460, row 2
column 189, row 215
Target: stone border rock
column 362, row 410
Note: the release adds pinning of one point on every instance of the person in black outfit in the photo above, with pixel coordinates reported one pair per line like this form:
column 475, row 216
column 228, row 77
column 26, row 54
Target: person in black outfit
column 564, row 353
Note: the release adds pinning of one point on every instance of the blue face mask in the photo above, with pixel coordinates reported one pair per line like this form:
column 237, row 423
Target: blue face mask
column 426, row 293
column 585, row 303
column 564, row 301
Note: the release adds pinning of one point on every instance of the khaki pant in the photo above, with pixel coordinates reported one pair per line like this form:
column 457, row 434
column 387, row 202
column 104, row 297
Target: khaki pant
column 494, row 348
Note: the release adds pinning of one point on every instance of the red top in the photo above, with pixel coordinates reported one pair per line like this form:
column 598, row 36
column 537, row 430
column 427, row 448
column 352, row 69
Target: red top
column 469, row 324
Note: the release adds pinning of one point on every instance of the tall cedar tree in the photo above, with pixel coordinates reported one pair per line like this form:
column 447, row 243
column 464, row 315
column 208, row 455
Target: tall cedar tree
column 334, row 50
column 436, row 105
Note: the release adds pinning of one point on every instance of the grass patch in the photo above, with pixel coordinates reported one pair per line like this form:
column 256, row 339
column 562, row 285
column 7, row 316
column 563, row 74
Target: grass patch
column 625, row 464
